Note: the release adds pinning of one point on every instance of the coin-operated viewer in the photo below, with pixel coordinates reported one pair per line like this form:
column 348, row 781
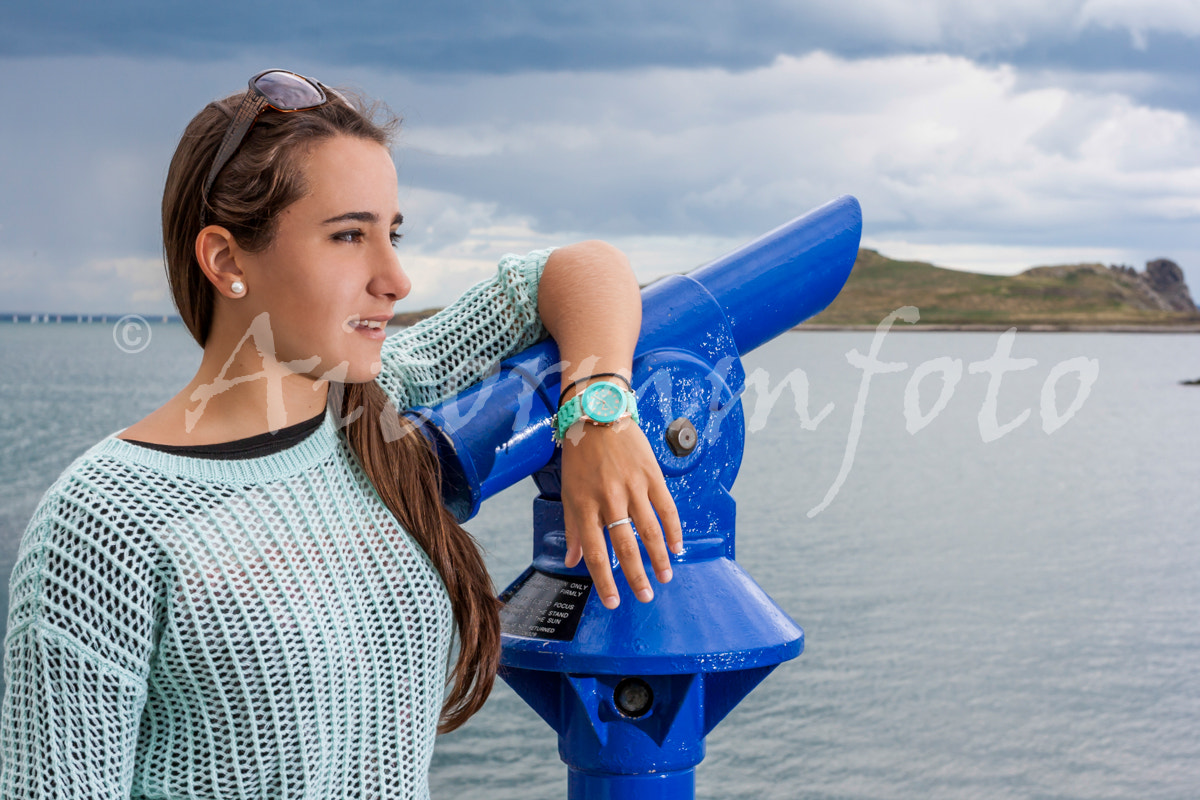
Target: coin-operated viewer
column 632, row 692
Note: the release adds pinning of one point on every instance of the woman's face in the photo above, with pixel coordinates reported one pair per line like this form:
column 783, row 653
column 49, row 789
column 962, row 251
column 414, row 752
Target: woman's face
column 331, row 275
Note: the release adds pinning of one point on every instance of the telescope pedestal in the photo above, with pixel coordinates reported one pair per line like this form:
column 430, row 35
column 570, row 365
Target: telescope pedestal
column 663, row 786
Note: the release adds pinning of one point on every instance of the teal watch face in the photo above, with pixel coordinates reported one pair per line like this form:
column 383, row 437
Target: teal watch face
column 603, row 402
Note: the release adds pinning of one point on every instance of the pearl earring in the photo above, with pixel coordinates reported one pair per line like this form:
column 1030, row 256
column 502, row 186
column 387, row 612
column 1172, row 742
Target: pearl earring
column 237, row 287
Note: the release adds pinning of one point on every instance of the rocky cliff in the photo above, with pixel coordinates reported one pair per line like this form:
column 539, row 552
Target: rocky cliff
column 1165, row 279
column 1161, row 287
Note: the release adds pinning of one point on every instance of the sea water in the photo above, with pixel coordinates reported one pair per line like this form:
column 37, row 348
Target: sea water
column 986, row 616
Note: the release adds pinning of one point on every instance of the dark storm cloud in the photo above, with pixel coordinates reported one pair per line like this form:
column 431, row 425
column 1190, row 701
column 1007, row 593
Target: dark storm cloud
column 502, row 36
column 519, row 35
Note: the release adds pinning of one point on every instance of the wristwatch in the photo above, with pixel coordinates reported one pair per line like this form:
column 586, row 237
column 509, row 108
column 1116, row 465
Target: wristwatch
column 602, row 403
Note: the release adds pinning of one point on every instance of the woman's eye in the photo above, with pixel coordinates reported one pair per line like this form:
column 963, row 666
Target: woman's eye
column 349, row 236
column 396, row 236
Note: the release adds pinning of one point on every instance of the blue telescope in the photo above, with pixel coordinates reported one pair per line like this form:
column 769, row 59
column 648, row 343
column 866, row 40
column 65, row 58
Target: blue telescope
column 632, row 692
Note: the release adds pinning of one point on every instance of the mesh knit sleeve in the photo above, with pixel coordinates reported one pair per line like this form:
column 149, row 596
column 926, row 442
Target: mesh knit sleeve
column 77, row 652
column 457, row 346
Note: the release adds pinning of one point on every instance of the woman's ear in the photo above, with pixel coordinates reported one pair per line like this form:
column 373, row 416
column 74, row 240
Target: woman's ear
column 217, row 254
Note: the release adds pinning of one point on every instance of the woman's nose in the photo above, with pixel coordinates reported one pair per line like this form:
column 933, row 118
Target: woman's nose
column 390, row 279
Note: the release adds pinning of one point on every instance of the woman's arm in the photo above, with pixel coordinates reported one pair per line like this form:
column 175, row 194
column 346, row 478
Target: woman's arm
column 590, row 302
column 456, row 347
column 81, row 631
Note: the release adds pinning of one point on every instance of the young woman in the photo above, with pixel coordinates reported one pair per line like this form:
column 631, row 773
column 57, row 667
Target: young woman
column 253, row 591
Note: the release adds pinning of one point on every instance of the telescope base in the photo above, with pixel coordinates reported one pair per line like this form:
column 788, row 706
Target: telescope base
column 679, row 785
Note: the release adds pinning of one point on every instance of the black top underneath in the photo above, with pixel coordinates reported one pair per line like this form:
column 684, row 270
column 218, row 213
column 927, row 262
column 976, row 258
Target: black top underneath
column 263, row 444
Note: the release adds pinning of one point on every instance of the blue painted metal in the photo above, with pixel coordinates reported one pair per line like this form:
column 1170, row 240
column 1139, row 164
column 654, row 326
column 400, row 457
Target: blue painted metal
column 711, row 634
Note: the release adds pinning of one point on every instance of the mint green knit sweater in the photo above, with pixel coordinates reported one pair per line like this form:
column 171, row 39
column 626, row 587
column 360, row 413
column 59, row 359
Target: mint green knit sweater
column 257, row 628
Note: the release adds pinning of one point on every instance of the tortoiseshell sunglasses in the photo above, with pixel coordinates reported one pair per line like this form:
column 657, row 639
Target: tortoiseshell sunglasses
column 274, row 88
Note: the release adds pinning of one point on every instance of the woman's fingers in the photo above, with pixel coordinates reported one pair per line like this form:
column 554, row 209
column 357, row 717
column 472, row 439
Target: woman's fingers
column 652, row 537
column 664, row 504
column 625, row 547
column 586, row 542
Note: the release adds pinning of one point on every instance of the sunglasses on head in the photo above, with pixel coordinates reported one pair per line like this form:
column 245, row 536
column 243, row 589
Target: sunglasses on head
column 274, row 88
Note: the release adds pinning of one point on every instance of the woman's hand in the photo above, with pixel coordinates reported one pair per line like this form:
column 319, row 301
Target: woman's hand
column 610, row 473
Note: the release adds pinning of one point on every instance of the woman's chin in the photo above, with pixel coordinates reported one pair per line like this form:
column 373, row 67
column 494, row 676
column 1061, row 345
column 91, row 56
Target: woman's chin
column 364, row 373
column 348, row 372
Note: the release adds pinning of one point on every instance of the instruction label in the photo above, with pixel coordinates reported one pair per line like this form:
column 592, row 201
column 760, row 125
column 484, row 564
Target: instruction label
column 544, row 606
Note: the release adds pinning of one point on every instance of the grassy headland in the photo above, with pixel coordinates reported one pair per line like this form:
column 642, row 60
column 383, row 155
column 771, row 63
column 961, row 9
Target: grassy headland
column 1072, row 297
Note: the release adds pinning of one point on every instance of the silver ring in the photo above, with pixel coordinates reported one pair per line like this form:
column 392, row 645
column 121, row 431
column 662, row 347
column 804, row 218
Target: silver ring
column 627, row 521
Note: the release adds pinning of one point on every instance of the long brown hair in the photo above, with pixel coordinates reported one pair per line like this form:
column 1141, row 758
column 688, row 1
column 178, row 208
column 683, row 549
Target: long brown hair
column 263, row 179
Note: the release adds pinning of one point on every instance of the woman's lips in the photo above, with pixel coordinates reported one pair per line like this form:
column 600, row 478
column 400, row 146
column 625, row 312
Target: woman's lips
column 371, row 327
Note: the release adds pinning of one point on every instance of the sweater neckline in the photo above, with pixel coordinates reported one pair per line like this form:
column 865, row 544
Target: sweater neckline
column 312, row 450
column 260, row 444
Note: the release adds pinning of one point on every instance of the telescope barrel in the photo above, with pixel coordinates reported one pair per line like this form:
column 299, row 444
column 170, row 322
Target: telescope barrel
column 787, row 275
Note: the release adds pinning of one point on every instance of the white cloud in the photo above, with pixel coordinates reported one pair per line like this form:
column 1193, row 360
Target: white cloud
column 143, row 279
column 937, row 144
column 451, row 242
column 33, row 282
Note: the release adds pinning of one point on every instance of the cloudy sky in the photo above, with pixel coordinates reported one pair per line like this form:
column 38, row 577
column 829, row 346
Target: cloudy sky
column 990, row 136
